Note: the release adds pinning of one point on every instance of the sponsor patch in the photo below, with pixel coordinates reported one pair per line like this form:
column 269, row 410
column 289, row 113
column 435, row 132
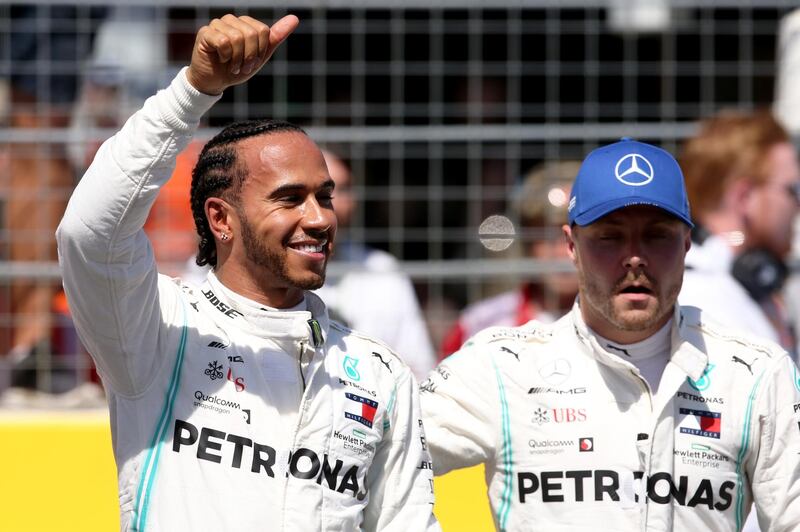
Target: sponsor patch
column 586, row 445
column 544, row 446
column 214, row 370
column 350, row 368
column 362, row 411
column 704, row 381
column 701, row 423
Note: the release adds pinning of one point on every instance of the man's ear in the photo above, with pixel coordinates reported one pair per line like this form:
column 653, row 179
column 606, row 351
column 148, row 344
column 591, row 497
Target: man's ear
column 221, row 218
column 738, row 194
column 569, row 238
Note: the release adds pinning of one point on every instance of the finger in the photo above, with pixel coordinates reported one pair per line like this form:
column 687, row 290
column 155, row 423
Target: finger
column 263, row 33
column 235, row 39
column 280, row 30
column 250, row 33
column 213, row 41
column 250, row 40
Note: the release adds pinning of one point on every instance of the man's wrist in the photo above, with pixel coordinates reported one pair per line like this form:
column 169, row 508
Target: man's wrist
column 192, row 79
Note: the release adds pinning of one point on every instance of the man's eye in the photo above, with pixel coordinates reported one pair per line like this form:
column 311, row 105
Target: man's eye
column 657, row 235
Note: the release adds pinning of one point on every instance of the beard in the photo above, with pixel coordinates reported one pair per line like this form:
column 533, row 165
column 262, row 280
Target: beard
column 626, row 319
column 275, row 263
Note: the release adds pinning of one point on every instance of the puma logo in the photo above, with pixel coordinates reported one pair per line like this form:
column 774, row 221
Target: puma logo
column 507, row 350
column 382, row 360
column 620, row 349
column 740, row 361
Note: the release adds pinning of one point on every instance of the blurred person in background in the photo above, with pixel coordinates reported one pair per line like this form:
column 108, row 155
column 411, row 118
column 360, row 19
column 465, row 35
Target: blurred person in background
column 373, row 295
column 46, row 47
column 541, row 208
column 237, row 404
column 631, row 412
column 743, row 181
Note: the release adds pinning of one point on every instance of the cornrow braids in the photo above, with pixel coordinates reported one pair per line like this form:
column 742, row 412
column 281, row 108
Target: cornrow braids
column 219, row 172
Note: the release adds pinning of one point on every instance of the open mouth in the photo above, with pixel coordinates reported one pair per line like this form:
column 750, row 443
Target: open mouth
column 636, row 290
column 310, row 248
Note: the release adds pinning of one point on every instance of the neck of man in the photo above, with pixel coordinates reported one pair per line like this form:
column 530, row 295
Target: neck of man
column 600, row 325
column 266, row 290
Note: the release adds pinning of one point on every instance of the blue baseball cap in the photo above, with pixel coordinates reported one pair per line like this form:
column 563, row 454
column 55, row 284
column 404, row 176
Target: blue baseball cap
column 627, row 173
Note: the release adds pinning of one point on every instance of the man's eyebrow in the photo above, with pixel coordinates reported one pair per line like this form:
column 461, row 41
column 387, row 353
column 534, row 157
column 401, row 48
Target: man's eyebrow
column 289, row 188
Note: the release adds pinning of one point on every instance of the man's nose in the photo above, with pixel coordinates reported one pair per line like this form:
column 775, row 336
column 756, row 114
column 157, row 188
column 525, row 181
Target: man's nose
column 315, row 216
column 634, row 254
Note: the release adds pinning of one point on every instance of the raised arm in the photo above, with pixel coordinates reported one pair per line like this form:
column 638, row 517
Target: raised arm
column 109, row 272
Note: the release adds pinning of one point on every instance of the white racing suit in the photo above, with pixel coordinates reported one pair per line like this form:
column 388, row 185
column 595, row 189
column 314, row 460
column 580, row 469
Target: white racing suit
column 215, row 426
column 574, row 440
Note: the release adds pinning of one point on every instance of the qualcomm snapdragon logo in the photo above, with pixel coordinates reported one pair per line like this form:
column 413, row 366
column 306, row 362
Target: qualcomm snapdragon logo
column 634, row 170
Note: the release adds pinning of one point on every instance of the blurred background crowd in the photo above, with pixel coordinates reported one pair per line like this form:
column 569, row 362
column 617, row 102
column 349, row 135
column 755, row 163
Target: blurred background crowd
column 434, row 119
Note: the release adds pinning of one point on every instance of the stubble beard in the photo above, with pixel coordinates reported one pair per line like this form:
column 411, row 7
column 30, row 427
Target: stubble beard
column 627, row 320
column 275, row 263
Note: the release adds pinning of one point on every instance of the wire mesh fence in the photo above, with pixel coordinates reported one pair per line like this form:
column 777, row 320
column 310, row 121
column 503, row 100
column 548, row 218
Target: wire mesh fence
column 440, row 113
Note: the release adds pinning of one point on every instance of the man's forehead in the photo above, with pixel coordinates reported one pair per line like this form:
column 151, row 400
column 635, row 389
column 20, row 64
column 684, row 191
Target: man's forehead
column 279, row 148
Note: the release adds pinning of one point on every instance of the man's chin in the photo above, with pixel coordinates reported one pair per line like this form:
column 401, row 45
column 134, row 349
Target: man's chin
column 636, row 320
column 310, row 281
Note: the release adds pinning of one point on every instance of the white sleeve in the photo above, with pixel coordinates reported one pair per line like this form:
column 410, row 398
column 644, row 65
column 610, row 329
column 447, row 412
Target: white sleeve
column 107, row 263
column 459, row 406
column 775, row 471
column 408, row 336
column 400, row 480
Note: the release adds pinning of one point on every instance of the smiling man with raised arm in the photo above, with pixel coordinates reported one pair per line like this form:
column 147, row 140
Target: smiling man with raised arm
column 237, row 404
column 631, row 413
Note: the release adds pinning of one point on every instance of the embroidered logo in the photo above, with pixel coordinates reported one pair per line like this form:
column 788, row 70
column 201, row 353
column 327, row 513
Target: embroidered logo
column 214, row 370
column 704, row 381
column 349, row 366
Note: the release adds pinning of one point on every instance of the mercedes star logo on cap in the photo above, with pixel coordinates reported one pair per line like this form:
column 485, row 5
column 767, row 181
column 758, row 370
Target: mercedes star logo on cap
column 634, row 170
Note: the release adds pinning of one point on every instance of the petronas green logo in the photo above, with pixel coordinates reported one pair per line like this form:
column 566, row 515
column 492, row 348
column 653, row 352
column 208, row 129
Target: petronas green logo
column 704, row 381
column 350, row 370
column 796, row 378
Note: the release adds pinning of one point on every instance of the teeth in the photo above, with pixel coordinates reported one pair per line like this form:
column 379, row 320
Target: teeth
column 310, row 248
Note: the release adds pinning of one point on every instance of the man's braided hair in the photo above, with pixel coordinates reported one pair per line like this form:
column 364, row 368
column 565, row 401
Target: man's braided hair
column 220, row 173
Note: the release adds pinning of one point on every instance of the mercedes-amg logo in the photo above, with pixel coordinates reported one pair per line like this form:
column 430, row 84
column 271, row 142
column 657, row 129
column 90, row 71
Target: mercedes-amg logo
column 634, row 170
column 556, row 371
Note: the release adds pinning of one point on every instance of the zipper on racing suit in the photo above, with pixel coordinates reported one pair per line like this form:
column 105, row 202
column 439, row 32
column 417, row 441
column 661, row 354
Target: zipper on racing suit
column 300, row 364
column 644, row 454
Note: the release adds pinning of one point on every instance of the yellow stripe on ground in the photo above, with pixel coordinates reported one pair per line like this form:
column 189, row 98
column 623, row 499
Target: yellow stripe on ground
column 58, row 473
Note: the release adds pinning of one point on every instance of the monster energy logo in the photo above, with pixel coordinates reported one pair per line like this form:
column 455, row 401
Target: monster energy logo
column 349, row 366
column 316, row 332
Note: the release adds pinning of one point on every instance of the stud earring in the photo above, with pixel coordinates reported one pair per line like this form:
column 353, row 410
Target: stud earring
column 223, row 236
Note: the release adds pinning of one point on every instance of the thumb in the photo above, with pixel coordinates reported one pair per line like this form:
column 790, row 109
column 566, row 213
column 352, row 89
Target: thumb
column 280, row 30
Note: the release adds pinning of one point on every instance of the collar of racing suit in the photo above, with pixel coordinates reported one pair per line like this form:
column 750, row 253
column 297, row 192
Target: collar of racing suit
column 683, row 353
column 309, row 327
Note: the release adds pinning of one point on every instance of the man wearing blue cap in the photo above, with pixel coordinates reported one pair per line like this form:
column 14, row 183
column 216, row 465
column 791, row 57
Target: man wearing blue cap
column 630, row 413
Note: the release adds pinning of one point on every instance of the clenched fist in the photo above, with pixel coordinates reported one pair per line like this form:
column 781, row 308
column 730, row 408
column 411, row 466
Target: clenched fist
column 230, row 50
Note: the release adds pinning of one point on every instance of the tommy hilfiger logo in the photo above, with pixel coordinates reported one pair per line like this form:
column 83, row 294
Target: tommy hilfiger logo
column 701, row 423
column 363, row 411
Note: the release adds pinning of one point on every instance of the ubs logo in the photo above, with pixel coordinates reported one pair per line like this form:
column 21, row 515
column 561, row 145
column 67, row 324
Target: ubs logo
column 634, row 170
column 214, row 370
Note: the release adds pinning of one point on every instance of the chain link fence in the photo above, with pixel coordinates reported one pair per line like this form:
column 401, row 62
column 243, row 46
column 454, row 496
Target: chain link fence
column 440, row 112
